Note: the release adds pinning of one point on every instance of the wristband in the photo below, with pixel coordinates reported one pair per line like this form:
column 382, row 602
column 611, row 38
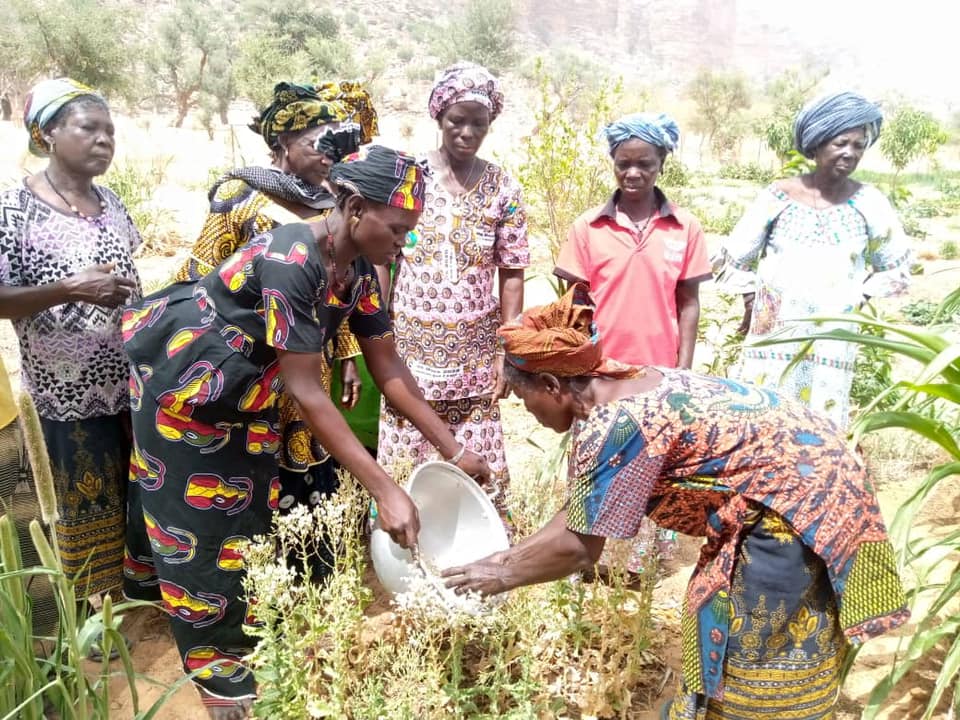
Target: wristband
column 458, row 456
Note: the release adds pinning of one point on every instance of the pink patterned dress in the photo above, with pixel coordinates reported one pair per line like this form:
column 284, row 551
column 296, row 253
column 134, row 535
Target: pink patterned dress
column 445, row 318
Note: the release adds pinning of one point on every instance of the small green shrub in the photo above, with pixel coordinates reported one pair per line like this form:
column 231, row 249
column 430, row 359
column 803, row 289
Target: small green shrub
column 795, row 164
column 948, row 250
column 674, row 173
column 928, row 209
column 872, row 374
column 950, row 189
column 361, row 31
column 136, row 186
column 912, row 225
column 722, row 223
column 420, row 71
column 919, row 312
column 751, row 172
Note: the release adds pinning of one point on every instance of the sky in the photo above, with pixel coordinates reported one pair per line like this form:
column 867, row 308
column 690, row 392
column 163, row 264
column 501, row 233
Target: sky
column 878, row 46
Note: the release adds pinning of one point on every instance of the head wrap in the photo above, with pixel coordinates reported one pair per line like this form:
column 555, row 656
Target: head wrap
column 298, row 107
column 465, row 82
column 338, row 144
column 44, row 100
column 826, row 117
column 384, row 176
column 655, row 128
column 561, row 339
column 359, row 104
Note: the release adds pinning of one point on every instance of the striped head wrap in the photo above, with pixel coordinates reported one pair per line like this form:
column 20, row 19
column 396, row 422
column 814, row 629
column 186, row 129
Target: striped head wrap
column 561, row 339
column 658, row 129
column 299, row 107
column 44, row 101
column 465, row 82
column 382, row 175
column 828, row 116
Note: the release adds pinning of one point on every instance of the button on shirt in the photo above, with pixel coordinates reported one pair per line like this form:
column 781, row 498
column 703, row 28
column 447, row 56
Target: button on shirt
column 633, row 277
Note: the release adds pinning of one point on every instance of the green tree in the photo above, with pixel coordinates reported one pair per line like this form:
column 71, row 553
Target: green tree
column 720, row 99
column 908, row 135
column 565, row 168
column 787, row 94
column 287, row 40
column 86, row 40
column 191, row 55
column 485, row 32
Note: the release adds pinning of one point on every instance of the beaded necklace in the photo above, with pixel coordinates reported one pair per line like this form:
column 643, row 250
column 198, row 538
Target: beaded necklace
column 337, row 284
column 74, row 208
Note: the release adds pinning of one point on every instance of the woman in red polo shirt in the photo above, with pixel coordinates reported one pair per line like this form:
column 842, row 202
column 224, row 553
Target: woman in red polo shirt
column 643, row 259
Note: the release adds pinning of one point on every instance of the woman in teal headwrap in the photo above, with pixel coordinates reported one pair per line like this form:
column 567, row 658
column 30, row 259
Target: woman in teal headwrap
column 66, row 267
column 639, row 250
column 816, row 244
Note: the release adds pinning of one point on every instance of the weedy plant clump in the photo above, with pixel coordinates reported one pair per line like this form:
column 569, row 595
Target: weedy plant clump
column 568, row 648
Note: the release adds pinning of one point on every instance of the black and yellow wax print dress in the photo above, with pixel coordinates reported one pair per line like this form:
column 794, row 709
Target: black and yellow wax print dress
column 205, row 386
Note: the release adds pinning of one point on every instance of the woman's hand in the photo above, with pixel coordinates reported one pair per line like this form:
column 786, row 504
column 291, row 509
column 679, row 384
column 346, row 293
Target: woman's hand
column 747, row 313
column 475, row 466
column 98, row 285
column 500, row 387
column 398, row 516
column 488, row 576
column 350, row 382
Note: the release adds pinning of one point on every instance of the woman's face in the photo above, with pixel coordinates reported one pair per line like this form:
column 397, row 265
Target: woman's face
column 840, row 155
column 380, row 231
column 463, row 126
column 82, row 139
column 553, row 408
column 301, row 158
column 636, row 166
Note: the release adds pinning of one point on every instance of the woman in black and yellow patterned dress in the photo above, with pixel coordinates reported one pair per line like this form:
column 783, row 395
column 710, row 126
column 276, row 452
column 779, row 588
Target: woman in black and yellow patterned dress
column 209, row 359
column 307, row 128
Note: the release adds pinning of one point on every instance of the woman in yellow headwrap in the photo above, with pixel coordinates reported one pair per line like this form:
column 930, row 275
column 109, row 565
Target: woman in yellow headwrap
column 307, row 128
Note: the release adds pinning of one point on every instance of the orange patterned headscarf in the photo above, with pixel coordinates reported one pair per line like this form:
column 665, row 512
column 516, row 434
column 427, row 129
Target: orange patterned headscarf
column 561, row 339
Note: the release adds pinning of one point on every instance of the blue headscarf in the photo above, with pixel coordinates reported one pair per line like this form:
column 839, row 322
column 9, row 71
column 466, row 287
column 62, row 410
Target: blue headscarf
column 828, row 116
column 655, row 128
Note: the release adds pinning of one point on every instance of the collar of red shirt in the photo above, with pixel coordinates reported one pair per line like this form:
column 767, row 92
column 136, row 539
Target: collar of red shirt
column 609, row 210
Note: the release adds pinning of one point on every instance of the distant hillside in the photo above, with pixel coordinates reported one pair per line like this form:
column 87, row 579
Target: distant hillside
column 664, row 42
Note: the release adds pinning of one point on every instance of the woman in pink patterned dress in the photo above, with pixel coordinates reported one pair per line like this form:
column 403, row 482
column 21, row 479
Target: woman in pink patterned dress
column 443, row 306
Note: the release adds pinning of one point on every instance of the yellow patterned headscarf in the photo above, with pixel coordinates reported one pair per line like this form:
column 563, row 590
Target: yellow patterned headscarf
column 298, row 107
column 359, row 104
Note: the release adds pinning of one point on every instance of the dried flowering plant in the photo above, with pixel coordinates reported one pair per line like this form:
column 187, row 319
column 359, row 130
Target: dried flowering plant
column 340, row 650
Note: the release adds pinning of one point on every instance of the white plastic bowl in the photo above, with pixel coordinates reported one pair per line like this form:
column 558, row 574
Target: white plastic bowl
column 458, row 524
